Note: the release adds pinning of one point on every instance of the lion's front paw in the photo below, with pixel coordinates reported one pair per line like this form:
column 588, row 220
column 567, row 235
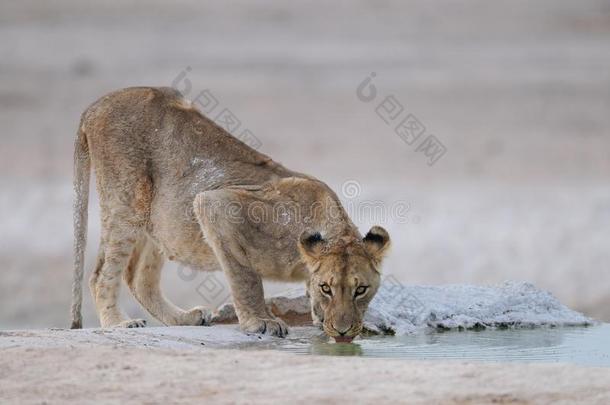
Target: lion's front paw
column 273, row 327
column 132, row 323
column 197, row 316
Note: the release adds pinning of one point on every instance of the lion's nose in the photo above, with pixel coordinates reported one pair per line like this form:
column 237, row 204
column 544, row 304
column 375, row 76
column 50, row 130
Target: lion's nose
column 342, row 332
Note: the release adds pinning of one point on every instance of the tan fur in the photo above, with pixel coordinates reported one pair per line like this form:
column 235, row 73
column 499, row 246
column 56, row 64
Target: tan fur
column 344, row 265
column 173, row 184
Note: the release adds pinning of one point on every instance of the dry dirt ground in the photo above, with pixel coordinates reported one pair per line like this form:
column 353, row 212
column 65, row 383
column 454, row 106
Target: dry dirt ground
column 88, row 366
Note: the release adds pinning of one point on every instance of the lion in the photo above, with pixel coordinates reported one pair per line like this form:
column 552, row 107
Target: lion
column 175, row 186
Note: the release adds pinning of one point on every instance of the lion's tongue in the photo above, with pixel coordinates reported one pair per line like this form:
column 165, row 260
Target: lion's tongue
column 344, row 339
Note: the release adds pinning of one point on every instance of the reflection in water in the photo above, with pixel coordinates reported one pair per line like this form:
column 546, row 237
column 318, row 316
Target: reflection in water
column 581, row 345
column 334, row 349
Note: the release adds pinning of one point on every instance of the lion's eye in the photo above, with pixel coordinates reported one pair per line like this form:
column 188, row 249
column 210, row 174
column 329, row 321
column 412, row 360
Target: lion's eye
column 325, row 289
column 360, row 290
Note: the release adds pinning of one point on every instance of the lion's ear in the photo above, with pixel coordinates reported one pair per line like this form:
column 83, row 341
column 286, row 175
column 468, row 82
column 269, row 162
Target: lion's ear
column 377, row 243
column 311, row 244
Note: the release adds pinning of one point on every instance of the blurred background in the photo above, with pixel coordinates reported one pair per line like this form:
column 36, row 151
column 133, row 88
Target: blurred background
column 515, row 184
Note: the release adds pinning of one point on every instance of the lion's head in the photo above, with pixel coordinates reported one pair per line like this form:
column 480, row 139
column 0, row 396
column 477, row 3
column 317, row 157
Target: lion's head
column 344, row 277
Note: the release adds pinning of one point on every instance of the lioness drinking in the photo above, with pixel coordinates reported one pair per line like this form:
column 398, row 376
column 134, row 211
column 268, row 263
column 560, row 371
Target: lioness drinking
column 174, row 185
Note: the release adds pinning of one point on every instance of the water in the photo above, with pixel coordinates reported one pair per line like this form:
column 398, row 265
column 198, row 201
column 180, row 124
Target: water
column 588, row 346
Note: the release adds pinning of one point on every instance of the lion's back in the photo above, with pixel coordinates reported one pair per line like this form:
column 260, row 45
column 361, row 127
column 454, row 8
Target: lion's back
column 128, row 111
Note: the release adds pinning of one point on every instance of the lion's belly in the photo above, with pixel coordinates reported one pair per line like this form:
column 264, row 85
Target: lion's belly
column 174, row 227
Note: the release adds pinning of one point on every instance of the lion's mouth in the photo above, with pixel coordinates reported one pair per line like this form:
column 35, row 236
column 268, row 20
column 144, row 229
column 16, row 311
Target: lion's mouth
column 343, row 339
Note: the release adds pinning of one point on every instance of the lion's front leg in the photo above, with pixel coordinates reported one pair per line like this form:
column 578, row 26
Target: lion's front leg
column 222, row 233
column 249, row 301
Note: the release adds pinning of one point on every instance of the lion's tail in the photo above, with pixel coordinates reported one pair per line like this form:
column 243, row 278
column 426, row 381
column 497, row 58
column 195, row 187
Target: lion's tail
column 82, row 169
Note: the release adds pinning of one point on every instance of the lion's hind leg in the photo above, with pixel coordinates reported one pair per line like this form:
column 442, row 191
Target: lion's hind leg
column 93, row 285
column 143, row 276
column 116, row 248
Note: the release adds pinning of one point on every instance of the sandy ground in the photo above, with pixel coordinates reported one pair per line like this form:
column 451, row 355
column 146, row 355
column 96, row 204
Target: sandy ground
column 74, row 367
column 517, row 92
